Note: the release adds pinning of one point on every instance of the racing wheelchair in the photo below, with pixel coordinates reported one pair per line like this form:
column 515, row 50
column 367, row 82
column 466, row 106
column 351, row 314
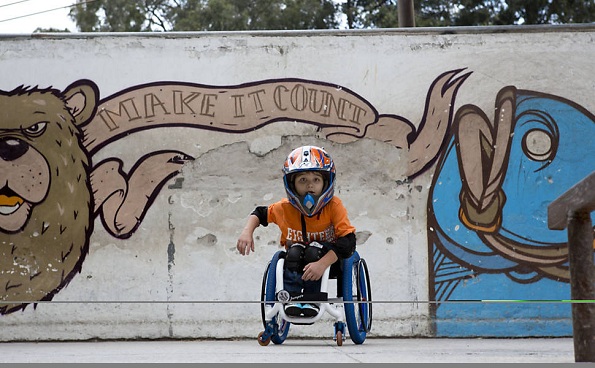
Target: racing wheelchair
column 352, row 304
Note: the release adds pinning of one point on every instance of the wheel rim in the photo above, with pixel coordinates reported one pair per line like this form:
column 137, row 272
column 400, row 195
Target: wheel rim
column 281, row 326
column 364, row 294
column 263, row 295
column 352, row 306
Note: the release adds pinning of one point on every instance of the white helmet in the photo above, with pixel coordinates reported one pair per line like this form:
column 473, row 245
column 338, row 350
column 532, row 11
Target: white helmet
column 309, row 158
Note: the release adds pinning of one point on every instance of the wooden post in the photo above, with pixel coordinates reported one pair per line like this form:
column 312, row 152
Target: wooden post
column 406, row 13
column 582, row 287
column 572, row 209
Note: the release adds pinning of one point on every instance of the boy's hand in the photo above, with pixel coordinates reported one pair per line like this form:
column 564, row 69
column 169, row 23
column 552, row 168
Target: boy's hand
column 245, row 244
column 314, row 271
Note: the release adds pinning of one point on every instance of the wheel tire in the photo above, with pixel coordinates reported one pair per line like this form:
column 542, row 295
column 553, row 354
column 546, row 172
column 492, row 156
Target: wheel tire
column 364, row 293
column 263, row 342
column 356, row 287
column 281, row 326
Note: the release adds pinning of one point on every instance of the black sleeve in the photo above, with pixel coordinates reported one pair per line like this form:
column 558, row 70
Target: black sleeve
column 345, row 246
column 262, row 213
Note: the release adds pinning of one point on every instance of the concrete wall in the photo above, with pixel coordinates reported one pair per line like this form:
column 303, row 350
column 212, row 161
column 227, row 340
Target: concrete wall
column 185, row 134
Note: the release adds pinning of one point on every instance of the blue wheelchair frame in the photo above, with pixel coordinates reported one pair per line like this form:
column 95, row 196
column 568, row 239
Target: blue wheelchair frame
column 353, row 302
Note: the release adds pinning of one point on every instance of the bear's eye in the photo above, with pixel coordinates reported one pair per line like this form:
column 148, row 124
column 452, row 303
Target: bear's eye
column 36, row 129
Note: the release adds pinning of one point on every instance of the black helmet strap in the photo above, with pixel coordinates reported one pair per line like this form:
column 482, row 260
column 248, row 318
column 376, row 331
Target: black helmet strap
column 304, row 231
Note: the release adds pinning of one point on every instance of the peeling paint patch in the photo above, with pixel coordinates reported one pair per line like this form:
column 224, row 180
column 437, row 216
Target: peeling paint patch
column 207, row 240
column 263, row 145
column 177, row 184
column 171, row 250
column 362, row 236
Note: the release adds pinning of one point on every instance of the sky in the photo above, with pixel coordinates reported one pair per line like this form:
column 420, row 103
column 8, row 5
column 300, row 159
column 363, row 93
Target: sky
column 52, row 14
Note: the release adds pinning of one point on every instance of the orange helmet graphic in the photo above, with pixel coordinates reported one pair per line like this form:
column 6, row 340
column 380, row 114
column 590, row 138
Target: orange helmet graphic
column 309, row 158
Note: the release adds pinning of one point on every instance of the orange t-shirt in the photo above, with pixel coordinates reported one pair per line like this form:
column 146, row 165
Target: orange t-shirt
column 328, row 225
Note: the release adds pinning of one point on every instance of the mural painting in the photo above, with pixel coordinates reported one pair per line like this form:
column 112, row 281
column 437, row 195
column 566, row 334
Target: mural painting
column 487, row 206
column 487, row 214
column 52, row 191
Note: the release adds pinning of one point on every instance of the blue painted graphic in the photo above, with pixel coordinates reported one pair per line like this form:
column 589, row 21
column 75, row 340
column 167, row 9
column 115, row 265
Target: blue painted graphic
column 487, row 216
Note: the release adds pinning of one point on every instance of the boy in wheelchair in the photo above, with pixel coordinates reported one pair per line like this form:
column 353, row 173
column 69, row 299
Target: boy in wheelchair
column 315, row 229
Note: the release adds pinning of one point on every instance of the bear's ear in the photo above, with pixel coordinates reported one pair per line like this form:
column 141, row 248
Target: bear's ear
column 81, row 99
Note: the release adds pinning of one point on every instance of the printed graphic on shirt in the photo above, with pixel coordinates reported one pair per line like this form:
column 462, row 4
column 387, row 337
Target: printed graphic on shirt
column 328, row 235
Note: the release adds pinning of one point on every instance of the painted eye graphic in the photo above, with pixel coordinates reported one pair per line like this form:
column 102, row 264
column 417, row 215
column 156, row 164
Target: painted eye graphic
column 538, row 145
column 541, row 137
column 36, row 129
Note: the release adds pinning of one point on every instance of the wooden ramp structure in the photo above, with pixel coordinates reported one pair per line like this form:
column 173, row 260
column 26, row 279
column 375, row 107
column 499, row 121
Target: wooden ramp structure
column 572, row 210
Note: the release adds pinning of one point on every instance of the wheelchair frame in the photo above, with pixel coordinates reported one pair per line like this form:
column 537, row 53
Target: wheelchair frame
column 352, row 305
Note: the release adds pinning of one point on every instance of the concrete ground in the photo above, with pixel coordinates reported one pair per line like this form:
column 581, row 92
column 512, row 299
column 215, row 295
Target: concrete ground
column 374, row 350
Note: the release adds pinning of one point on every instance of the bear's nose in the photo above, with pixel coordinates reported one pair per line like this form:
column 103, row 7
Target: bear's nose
column 12, row 148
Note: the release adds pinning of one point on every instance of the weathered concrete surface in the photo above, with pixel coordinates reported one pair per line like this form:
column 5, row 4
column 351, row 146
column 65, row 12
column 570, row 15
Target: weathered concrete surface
column 292, row 351
column 184, row 250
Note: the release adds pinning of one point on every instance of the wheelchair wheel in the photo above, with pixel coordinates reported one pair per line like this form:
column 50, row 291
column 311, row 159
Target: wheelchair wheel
column 356, row 288
column 280, row 326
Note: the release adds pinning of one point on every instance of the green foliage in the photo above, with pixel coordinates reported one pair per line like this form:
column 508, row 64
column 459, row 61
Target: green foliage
column 120, row 15
column 371, row 13
column 503, row 12
column 240, row 15
column 553, row 11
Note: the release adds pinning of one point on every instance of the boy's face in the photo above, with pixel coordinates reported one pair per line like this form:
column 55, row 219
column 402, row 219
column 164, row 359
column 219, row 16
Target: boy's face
column 309, row 182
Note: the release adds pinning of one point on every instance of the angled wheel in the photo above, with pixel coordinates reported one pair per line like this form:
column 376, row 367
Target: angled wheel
column 339, row 332
column 339, row 338
column 356, row 288
column 267, row 294
column 261, row 341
